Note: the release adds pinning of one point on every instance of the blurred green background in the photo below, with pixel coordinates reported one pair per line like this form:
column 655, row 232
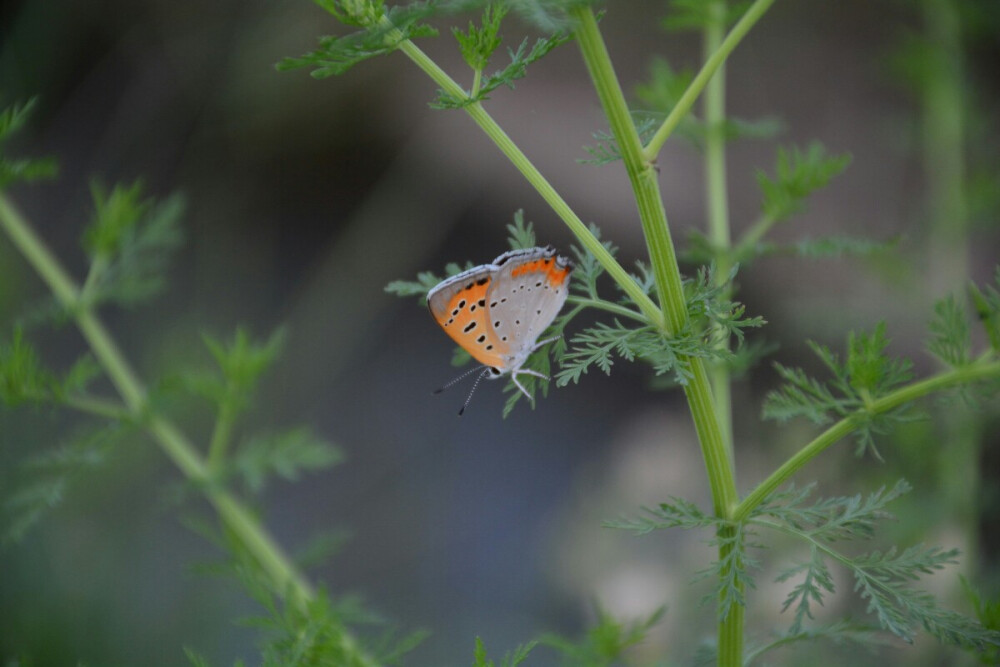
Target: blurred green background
column 306, row 197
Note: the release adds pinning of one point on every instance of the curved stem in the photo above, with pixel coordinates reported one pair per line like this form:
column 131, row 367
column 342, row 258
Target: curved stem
column 100, row 407
column 687, row 100
column 601, row 304
column 981, row 370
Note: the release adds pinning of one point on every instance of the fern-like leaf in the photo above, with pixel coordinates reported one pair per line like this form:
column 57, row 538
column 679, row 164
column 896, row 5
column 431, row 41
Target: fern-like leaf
column 383, row 30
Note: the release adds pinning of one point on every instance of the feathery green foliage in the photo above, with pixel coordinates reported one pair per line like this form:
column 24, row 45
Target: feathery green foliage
column 712, row 318
column 606, row 150
column 676, row 513
column 12, row 119
column 950, row 340
column 731, row 573
column 797, row 174
column 241, row 363
column 41, row 483
column 23, row 378
column 696, row 14
column 129, row 241
column 285, row 454
column 665, row 87
column 838, row 632
column 512, row 659
column 303, row 633
column 520, row 59
column 988, row 615
column 382, row 31
column 885, row 579
column 867, row 374
column 987, row 306
column 701, row 251
column 477, row 44
column 606, row 642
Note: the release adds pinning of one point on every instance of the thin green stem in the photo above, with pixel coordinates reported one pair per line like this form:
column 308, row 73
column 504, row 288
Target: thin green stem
column 943, row 126
column 687, row 100
column 641, row 173
column 221, row 436
column 477, row 80
column 716, row 197
column 608, row 306
column 980, row 370
column 731, row 627
column 753, row 235
column 284, row 575
column 99, row 407
column 535, row 178
column 825, row 547
column 944, row 110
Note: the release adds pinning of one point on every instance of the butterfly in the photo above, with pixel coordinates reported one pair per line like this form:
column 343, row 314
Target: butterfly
column 497, row 311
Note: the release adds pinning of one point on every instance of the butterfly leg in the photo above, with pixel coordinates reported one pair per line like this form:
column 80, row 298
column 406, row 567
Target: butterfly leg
column 542, row 343
column 521, row 386
column 528, row 371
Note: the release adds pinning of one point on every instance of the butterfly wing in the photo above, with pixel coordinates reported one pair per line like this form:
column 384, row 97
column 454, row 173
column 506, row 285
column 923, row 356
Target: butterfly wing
column 459, row 305
column 527, row 291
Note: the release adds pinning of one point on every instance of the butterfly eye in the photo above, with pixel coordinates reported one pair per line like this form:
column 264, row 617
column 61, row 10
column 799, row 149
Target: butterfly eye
column 495, row 372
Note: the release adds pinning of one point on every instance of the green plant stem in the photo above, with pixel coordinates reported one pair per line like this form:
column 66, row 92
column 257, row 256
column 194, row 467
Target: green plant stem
column 642, row 175
column 608, row 306
column 100, row 407
column 284, row 575
column 713, row 63
column 944, row 111
column 731, row 627
column 943, row 126
column 979, row 370
column 753, row 235
column 477, row 80
column 535, row 178
column 717, row 202
column 221, row 436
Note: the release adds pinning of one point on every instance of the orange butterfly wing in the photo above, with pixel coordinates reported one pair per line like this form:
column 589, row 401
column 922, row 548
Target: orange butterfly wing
column 459, row 306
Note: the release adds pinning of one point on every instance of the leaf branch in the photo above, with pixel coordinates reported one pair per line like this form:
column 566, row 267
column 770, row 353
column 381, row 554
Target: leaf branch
column 985, row 369
column 284, row 575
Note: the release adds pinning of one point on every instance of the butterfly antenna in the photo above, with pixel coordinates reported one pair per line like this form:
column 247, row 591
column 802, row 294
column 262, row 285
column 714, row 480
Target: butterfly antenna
column 471, row 391
column 460, row 377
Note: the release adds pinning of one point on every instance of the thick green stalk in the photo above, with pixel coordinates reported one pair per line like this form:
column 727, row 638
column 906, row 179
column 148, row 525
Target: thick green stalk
column 643, row 177
column 283, row 573
column 980, row 370
column 713, row 63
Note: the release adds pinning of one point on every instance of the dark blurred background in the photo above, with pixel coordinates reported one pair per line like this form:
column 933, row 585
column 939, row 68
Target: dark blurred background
column 305, row 198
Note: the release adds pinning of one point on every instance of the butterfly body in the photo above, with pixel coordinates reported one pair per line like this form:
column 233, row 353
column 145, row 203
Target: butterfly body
column 497, row 311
